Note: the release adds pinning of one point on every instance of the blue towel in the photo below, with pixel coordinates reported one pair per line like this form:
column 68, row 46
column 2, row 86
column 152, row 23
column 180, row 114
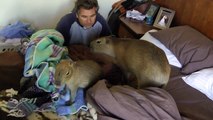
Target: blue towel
column 17, row 30
column 79, row 104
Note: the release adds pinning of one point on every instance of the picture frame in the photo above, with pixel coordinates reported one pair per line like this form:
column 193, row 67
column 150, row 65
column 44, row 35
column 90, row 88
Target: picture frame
column 152, row 10
column 164, row 18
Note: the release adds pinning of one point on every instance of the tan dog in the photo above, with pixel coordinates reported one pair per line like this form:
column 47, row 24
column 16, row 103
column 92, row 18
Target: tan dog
column 75, row 74
column 137, row 58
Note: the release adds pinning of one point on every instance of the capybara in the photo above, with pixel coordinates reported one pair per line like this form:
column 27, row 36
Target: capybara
column 77, row 74
column 139, row 59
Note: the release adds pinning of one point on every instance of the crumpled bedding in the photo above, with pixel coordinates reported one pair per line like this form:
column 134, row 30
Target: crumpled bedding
column 7, row 95
column 124, row 102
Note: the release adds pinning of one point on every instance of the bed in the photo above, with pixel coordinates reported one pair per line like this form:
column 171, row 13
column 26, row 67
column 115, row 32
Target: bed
column 189, row 95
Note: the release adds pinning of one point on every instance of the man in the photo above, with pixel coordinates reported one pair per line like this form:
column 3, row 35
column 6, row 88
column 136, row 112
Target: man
column 83, row 24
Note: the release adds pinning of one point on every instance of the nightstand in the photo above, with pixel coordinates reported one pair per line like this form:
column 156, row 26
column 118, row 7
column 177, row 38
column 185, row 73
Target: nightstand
column 130, row 28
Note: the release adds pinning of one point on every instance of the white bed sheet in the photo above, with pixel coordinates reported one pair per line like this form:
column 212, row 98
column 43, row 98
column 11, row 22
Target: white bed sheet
column 201, row 80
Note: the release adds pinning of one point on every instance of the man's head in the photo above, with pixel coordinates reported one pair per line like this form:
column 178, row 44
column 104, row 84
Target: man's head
column 86, row 11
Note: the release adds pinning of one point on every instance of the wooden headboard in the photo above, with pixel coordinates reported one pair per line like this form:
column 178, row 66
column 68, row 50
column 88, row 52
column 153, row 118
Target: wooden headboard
column 196, row 13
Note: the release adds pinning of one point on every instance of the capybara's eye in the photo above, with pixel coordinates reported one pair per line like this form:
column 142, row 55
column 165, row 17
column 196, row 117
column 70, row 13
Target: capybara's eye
column 68, row 73
column 98, row 41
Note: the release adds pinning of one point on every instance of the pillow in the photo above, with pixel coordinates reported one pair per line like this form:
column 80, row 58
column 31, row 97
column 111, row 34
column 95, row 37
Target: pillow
column 192, row 49
column 201, row 80
column 170, row 56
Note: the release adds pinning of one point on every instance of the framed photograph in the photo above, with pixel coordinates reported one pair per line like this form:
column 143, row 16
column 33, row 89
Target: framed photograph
column 164, row 18
column 152, row 10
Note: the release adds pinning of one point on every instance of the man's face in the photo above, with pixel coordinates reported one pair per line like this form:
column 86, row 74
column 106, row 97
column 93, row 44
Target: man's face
column 87, row 17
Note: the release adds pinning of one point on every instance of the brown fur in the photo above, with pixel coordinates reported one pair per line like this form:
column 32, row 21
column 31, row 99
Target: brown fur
column 137, row 58
column 81, row 73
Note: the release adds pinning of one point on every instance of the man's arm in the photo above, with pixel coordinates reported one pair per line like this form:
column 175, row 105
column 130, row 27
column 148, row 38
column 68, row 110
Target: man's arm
column 63, row 27
column 105, row 27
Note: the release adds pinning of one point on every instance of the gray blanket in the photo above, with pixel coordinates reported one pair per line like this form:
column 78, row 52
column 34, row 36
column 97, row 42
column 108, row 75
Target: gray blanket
column 124, row 102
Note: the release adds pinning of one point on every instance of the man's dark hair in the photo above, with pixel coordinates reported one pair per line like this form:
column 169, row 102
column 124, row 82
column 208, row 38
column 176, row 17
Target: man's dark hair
column 86, row 4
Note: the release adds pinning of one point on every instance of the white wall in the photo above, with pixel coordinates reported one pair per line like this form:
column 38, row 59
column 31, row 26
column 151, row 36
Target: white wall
column 105, row 6
column 41, row 13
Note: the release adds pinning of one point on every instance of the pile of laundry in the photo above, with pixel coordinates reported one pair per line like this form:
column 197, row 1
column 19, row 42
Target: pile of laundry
column 38, row 93
column 13, row 35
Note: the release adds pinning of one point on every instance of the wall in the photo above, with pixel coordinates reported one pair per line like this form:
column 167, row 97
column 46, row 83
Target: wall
column 41, row 13
column 105, row 6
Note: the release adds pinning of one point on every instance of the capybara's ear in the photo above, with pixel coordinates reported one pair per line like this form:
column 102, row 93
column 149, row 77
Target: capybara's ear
column 107, row 40
column 72, row 63
column 70, row 60
column 64, row 60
